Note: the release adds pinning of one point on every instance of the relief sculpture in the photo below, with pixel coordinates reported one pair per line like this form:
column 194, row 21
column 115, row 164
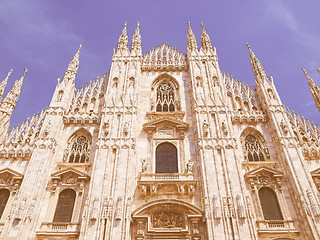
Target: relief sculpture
column 167, row 220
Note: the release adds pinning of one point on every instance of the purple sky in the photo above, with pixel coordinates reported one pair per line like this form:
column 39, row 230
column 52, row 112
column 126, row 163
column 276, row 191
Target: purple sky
column 44, row 35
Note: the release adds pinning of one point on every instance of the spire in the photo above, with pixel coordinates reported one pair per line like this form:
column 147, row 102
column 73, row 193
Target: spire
column 3, row 84
column 136, row 40
column 72, row 70
column 123, row 39
column 205, row 40
column 191, row 40
column 257, row 69
column 315, row 90
column 14, row 94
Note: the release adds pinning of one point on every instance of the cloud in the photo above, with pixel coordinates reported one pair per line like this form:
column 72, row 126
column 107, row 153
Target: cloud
column 31, row 21
column 282, row 14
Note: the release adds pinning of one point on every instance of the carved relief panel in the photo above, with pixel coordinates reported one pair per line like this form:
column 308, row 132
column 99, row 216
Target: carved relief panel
column 170, row 220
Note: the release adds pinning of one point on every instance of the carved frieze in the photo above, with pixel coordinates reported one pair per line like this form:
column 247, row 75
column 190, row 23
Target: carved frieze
column 82, row 118
column 167, row 220
column 247, row 117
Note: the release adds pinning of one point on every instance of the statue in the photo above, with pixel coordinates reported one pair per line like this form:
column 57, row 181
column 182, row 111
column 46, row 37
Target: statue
column 205, row 127
column 189, row 166
column 144, row 165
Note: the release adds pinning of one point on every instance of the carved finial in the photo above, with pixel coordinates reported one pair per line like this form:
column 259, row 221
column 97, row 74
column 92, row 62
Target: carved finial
column 14, row 94
column 315, row 90
column 3, row 84
column 123, row 39
column 72, row 69
column 257, row 69
column 191, row 40
column 205, row 40
column 136, row 41
column 25, row 72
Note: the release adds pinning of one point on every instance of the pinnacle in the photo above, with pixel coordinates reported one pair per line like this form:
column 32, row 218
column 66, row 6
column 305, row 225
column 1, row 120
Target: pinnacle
column 25, row 72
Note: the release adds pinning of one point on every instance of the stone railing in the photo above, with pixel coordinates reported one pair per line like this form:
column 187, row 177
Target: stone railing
column 174, row 183
column 59, row 228
column 275, row 226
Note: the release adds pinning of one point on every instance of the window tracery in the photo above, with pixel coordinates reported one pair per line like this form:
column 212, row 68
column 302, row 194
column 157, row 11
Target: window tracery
column 253, row 149
column 79, row 150
column 165, row 98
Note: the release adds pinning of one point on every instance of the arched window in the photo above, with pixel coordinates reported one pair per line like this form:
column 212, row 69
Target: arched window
column 269, row 204
column 165, row 98
column 65, row 206
column 4, row 196
column 253, row 149
column 166, row 158
column 79, row 152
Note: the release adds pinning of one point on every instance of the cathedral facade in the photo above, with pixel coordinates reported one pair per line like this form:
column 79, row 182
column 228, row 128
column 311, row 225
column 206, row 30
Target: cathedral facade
column 163, row 146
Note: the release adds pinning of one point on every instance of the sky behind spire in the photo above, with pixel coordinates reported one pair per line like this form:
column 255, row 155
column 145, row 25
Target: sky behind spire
column 43, row 36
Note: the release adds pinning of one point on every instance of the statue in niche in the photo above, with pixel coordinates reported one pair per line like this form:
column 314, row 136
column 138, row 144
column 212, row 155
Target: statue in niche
column 126, row 128
column 224, row 127
column 205, row 127
column 216, row 90
column 271, row 95
column 144, row 165
column 115, row 82
column 189, row 166
column 198, row 82
column 284, row 127
column 59, row 97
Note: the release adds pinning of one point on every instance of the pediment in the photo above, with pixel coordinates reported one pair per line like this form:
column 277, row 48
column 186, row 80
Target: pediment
column 315, row 173
column 12, row 173
column 263, row 171
column 153, row 124
column 70, row 171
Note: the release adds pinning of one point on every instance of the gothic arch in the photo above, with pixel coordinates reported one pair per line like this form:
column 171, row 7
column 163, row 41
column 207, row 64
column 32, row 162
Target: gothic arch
column 252, row 131
column 79, row 147
column 253, row 145
column 80, row 131
column 165, row 95
column 163, row 77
